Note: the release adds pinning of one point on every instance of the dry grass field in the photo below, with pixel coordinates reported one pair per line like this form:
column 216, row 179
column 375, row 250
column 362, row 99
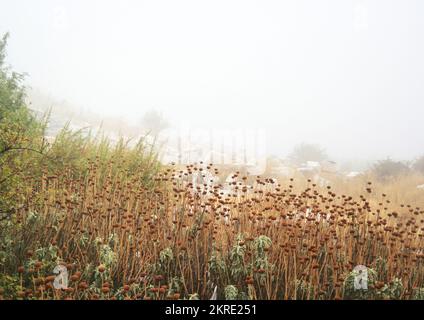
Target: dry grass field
column 84, row 218
column 171, row 239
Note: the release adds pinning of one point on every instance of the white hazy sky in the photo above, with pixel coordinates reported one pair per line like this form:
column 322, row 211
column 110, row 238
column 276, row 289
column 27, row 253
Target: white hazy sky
column 348, row 75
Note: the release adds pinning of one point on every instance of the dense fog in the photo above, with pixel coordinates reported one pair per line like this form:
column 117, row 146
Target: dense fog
column 347, row 75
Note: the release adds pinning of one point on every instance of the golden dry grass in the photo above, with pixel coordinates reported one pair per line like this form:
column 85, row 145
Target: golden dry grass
column 252, row 239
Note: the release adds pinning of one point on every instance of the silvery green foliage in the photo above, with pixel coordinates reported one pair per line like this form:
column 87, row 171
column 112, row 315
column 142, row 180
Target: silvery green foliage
column 194, row 230
column 32, row 217
column 261, row 259
column 237, row 266
column 88, row 270
column 381, row 266
column 5, row 250
column 107, row 256
column 217, row 269
column 98, row 241
column 244, row 296
column 231, row 292
column 261, row 243
column 148, row 292
column 393, row 290
column 349, row 286
column 194, row 296
column 83, row 240
column 112, row 238
column 166, row 256
column 175, row 285
column 418, row 294
column 48, row 255
column 216, row 264
column 10, row 284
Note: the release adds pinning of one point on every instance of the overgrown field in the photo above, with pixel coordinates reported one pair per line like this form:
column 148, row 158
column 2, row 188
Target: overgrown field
column 123, row 226
column 174, row 240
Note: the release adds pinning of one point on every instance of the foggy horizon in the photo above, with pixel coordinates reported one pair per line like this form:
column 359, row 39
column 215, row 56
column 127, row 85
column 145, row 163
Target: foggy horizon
column 346, row 76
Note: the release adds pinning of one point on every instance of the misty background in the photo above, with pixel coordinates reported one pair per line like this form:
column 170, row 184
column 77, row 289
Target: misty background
column 347, row 75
